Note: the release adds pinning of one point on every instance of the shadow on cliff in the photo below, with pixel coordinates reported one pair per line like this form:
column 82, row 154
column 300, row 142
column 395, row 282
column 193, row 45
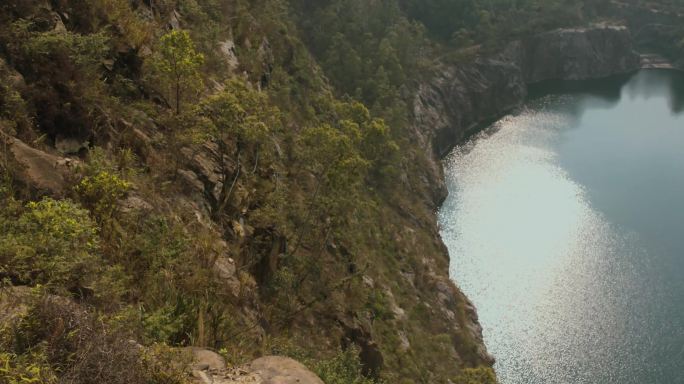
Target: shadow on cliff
column 607, row 89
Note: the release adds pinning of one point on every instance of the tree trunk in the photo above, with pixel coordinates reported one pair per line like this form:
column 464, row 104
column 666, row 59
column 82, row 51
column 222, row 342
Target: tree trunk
column 178, row 93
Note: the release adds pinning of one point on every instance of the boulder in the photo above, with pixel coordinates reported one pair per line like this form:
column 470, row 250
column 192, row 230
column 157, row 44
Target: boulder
column 37, row 169
column 226, row 270
column 204, row 359
column 283, row 370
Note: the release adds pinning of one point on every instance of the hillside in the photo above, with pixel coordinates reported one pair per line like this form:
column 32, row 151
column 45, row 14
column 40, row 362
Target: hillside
column 241, row 176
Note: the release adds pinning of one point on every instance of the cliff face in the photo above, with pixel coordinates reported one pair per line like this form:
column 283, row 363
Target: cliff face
column 458, row 99
column 578, row 54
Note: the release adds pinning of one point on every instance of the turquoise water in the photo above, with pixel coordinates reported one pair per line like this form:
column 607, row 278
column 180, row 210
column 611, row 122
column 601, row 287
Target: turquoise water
column 565, row 225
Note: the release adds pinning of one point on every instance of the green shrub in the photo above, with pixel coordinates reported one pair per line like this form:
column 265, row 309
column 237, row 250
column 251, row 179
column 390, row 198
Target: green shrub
column 135, row 30
column 343, row 368
column 29, row 369
column 101, row 193
column 479, row 375
column 167, row 324
column 378, row 305
column 82, row 50
column 105, row 182
column 51, row 242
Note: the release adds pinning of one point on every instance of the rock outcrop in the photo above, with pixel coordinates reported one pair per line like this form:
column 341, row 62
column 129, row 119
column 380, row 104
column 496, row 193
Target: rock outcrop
column 210, row 368
column 39, row 170
column 578, row 54
column 458, row 99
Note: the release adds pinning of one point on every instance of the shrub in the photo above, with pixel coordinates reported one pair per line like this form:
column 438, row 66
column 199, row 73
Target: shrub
column 168, row 324
column 343, row 368
column 51, row 242
column 378, row 305
column 82, row 50
column 118, row 13
column 101, row 193
column 57, row 340
column 25, row 369
column 479, row 375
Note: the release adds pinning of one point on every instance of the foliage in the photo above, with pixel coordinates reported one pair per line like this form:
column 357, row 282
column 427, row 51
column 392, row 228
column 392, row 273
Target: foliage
column 240, row 112
column 56, row 340
column 49, row 242
column 62, row 71
column 378, row 306
column 14, row 113
column 368, row 49
column 343, row 368
column 82, row 50
column 166, row 324
column 330, row 155
column 101, row 193
column 119, row 15
column 479, row 375
column 104, row 182
column 177, row 65
column 25, row 369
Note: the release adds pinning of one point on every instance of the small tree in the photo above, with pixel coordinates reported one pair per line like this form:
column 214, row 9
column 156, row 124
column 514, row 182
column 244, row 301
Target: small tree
column 177, row 63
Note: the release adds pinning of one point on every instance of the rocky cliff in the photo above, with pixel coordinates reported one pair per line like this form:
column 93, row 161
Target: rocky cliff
column 460, row 98
column 206, row 240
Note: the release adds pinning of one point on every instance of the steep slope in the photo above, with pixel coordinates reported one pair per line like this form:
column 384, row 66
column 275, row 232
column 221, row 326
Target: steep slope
column 184, row 173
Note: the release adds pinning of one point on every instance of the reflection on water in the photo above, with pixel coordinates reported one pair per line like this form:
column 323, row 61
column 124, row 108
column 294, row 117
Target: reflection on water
column 564, row 227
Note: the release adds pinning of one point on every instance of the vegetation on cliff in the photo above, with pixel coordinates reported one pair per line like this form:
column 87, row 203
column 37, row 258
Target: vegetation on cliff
column 210, row 189
column 238, row 175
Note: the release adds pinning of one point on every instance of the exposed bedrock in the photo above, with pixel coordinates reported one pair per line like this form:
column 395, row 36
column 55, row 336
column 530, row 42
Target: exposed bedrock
column 460, row 98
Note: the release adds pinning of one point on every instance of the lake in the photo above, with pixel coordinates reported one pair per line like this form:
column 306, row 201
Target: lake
column 565, row 226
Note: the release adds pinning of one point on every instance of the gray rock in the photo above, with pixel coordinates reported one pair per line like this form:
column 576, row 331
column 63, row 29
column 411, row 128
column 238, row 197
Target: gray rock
column 135, row 204
column 59, row 24
column 39, row 170
column 283, row 370
column 174, row 20
column 655, row 61
column 226, row 270
column 204, row 359
column 227, row 49
column 404, row 344
column 203, row 377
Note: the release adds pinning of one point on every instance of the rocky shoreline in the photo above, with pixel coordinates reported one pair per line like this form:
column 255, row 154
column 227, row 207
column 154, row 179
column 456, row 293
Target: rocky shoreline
column 458, row 100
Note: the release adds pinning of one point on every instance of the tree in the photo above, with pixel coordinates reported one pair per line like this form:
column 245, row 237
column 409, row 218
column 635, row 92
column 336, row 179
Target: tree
column 331, row 155
column 241, row 115
column 178, row 65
